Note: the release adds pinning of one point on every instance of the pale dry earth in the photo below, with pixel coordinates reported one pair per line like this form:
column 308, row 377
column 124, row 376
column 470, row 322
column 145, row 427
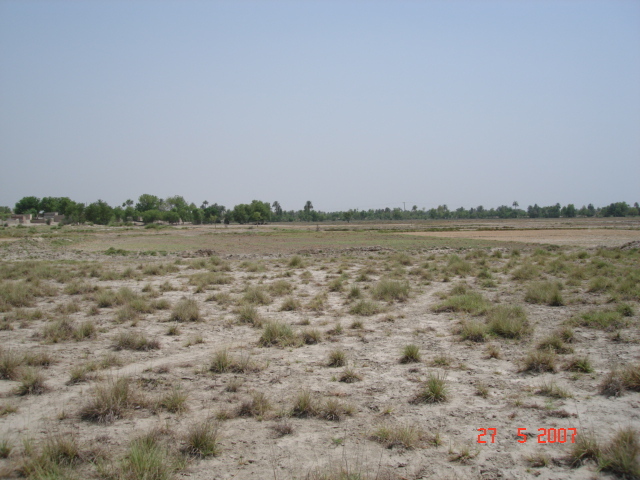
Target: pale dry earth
column 250, row 447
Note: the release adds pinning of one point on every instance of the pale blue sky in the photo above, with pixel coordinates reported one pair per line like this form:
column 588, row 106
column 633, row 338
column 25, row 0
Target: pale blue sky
column 345, row 103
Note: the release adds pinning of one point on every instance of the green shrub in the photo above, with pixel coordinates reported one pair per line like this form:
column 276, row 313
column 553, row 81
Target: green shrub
column 474, row 331
column 390, row 290
column 434, row 390
column 473, row 303
column 277, row 333
column 249, row 314
column 621, row 455
column 365, row 308
column 410, row 354
column 539, row 361
column 134, row 341
column 202, row 439
column 290, row 304
column 403, row 436
column 109, row 401
column 545, row 293
column 507, row 321
column 337, row 358
column 256, row 296
column 600, row 319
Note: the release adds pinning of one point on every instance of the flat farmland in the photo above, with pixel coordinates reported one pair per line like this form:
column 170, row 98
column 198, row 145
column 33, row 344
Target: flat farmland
column 334, row 352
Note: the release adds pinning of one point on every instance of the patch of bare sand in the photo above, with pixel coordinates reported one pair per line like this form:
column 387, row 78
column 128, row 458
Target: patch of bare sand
column 580, row 238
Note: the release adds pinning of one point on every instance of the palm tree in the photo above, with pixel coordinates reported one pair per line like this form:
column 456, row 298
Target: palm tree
column 307, row 209
column 277, row 208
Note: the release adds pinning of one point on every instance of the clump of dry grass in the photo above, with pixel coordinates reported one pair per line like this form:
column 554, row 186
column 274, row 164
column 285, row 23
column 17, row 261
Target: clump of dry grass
column 472, row 302
column 278, row 333
column 337, row 358
column 349, row 375
column 249, row 314
column 110, row 400
column 202, row 439
column 619, row 380
column 280, row 288
column 508, row 321
column 186, row 310
column 222, row 362
column 539, row 361
column 390, row 290
column 257, row 406
column 434, row 390
column 256, row 296
column 31, row 382
column 64, row 330
column 473, row 330
column 548, row 293
column 406, row 437
column 290, row 304
column 365, row 308
column 410, row 354
column 135, row 341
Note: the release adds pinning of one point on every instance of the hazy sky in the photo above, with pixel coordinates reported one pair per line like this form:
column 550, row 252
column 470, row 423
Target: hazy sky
column 349, row 104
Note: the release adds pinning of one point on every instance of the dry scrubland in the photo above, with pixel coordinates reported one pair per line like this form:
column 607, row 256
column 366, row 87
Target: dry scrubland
column 354, row 362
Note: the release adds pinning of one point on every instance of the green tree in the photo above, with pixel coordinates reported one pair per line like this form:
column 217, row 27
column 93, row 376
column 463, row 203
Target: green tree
column 308, row 207
column 27, row 205
column 98, row 212
column 148, row 202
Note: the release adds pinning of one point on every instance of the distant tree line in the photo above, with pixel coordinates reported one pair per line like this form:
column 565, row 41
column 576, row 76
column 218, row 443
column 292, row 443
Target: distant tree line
column 151, row 209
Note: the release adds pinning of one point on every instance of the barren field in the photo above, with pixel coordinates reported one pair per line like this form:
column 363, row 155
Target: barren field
column 356, row 352
column 575, row 237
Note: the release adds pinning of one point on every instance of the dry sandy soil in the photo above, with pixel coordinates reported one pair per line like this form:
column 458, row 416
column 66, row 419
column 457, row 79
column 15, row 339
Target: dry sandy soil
column 71, row 314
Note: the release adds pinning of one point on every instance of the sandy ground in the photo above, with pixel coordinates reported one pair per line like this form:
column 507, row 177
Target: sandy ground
column 574, row 237
column 250, row 446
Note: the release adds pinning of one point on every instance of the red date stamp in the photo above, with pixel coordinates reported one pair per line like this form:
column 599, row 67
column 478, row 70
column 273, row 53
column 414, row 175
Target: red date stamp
column 545, row 435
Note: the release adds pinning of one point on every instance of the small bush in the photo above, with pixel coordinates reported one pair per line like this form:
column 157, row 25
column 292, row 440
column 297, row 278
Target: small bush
column 410, row 354
column 257, row 406
column 280, row 288
column 579, row 364
column 525, row 272
column 186, row 310
column 290, row 304
column 551, row 389
column 507, row 321
column 350, row 376
column 135, row 341
column 256, row 296
column 202, row 439
column 31, row 382
column 249, row 314
column 539, row 361
column 174, row 401
column 337, row 358
column 277, row 333
column 545, row 293
column 403, row 436
column 601, row 319
column 435, row 389
column 147, row 458
column 473, row 331
column 390, row 290
column 295, row 262
column 585, row 448
column 304, row 405
column 109, row 401
column 365, row 308
column 554, row 342
column 311, row 336
column 473, row 303
column 621, row 455
column 10, row 361
column 334, row 410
